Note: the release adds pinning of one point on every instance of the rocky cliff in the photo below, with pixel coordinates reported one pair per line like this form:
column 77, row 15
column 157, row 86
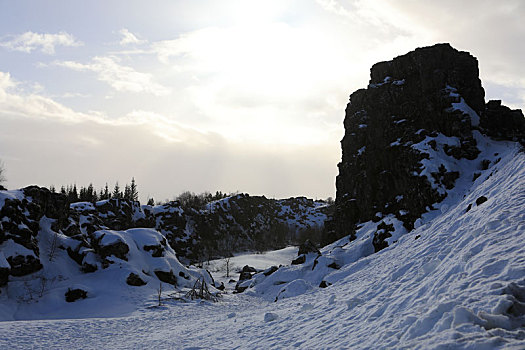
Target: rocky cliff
column 405, row 134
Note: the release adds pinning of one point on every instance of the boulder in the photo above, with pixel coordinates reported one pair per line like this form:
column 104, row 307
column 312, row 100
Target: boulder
column 118, row 249
column 73, row 295
column 324, row 284
column 157, row 251
column 22, row 265
column 299, row 260
column 135, row 280
column 481, row 200
column 166, row 277
column 380, row 236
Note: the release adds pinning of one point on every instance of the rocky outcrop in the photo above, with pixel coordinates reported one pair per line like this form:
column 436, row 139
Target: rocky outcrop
column 241, row 222
column 501, row 122
column 73, row 295
column 415, row 97
column 134, row 280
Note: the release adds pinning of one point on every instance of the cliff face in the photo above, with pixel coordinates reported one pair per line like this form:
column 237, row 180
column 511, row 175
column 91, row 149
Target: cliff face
column 425, row 95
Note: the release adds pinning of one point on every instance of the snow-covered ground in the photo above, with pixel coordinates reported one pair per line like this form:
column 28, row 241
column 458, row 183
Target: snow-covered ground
column 456, row 281
column 259, row 261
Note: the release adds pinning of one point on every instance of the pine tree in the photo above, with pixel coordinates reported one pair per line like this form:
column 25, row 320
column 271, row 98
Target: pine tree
column 151, row 202
column 116, row 192
column 107, row 194
column 90, row 193
column 134, row 193
column 127, row 192
column 82, row 195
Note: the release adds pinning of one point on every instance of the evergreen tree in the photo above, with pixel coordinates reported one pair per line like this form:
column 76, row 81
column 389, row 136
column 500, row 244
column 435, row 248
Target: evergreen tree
column 107, row 194
column 90, row 193
column 127, row 192
column 82, row 196
column 116, row 192
column 134, row 193
column 151, row 202
column 72, row 194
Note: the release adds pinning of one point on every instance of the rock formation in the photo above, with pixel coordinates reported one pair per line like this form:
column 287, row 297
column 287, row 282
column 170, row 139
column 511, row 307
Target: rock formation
column 415, row 97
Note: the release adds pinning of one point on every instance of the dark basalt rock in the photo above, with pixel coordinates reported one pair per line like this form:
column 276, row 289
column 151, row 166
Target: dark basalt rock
column 500, row 122
column 23, row 265
column 4, row 276
column 166, row 277
column 334, row 266
column 247, row 273
column 408, row 99
column 73, row 295
column 156, row 250
column 52, row 205
column 324, row 284
column 308, row 247
column 299, row 260
column 247, row 268
column 118, row 249
column 445, row 178
column 75, row 255
column 270, row 270
column 380, row 236
column 88, row 268
column 135, row 280
column 481, row 200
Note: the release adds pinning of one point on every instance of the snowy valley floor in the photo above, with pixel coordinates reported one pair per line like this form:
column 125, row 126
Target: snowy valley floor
column 460, row 284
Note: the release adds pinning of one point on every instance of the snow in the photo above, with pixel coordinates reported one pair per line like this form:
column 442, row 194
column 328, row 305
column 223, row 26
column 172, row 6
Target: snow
column 10, row 248
column 83, row 206
column 13, row 194
column 399, row 82
column 451, row 288
column 465, row 108
column 258, row 261
column 3, row 261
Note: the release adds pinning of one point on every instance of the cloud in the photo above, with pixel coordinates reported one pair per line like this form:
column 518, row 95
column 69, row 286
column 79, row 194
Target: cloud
column 44, row 142
column 119, row 77
column 129, row 38
column 489, row 31
column 45, row 43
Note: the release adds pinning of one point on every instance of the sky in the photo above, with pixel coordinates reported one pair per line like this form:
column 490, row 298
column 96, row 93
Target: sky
column 207, row 95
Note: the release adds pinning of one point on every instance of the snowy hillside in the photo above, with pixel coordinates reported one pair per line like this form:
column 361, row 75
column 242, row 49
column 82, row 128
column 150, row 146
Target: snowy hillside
column 456, row 281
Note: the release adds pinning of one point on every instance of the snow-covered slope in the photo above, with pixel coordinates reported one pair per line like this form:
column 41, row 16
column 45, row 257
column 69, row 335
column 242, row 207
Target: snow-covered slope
column 456, row 281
